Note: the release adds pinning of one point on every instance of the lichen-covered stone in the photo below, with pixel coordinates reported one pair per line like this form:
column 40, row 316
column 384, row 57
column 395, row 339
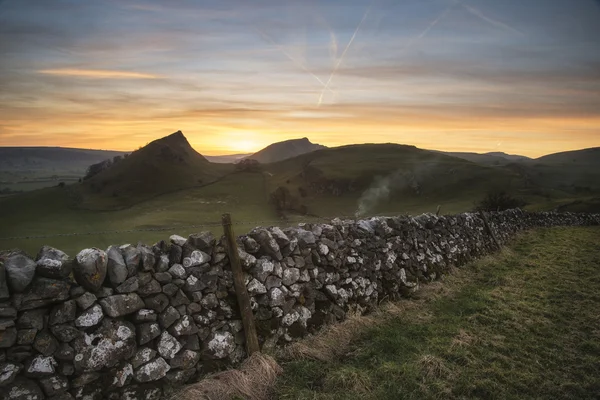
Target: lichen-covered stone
column 145, row 315
column 116, row 267
column 121, row 304
column 90, row 317
column 197, row 257
column 129, row 285
column 45, row 343
column 168, row 346
column 86, row 300
column 54, row 385
column 8, row 373
column 219, row 345
column 290, row 276
column 184, row 326
column 23, row 389
column 157, row 302
column 53, row 263
column 90, row 268
column 185, row 359
column 40, row 366
column 203, row 241
column 147, row 331
column 143, row 355
column 152, row 371
column 132, row 258
column 114, row 341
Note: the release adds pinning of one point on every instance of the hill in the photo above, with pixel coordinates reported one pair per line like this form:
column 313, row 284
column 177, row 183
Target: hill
column 283, row 150
column 491, row 159
column 28, row 168
column 165, row 165
column 380, row 177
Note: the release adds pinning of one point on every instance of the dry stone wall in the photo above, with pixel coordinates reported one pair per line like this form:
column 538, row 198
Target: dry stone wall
column 135, row 322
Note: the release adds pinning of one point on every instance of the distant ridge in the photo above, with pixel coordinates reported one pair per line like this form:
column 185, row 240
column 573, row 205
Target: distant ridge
column 283, row 150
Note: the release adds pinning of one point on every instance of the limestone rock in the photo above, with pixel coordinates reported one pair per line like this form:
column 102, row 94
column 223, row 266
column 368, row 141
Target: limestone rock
column 20, row 270
column 178, row 240
column 23, row 389
column 65, row 333
column 185, row 360
column 203, row 241
column 54, row 385
column 43, row 292
column 290, row 276
column 8, row 373
column 129, row 285
column 90, row 317
column 157, row 302
column 116, row 267
column 62, row 313
column 219, row 345
column 45, row 343
column 168, row 346
column 86, row 300
column 147, row 332
column 267, row 243
column 147, row 258
column 168, row 317
column 197, row 257
column 90, row 268
column 40, row 366
column 145, row 315
column 143, row 355
column 122, row 304
column 53, row 263
column 184, row 326
column 132, row 258
column 152, row 371
column 113, row 342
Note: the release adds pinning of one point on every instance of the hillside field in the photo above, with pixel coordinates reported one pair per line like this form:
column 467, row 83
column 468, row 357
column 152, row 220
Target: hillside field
column 521, row 324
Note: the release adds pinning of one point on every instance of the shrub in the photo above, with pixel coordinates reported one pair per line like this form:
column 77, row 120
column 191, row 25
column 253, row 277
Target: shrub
column 499, row 201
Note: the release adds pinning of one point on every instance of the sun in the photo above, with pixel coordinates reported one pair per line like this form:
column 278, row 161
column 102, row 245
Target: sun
column 243, row 145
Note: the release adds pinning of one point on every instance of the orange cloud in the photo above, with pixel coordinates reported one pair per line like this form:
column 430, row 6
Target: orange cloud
column 98, row 73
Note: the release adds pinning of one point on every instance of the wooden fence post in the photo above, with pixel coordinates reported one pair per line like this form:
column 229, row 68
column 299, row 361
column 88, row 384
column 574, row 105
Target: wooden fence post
column 240, row 287
column 437, row 212
column 488, row 228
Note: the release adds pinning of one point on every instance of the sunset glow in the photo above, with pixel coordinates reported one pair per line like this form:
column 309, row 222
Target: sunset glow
column 480, row 75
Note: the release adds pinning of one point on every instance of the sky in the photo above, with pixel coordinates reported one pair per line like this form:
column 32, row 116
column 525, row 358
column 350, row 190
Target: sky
column 518, row 76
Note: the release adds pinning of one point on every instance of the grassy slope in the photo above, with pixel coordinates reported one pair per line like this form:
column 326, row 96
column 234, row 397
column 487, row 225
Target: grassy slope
column 520, row 325
column 46, row 212
column 452, row 182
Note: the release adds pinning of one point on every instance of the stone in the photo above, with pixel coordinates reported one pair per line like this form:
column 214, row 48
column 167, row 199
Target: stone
column 85, row 379
column 26, row 336
column 147, row 331
column 90, row 317
column 263, row 269
column 86, row 300
column 53, row 263
column 203, row 241
column 168, row 346
column 65, row 352
column 194, row 307
column 280, row 237
column 145, row 315
column 180, row 377
column 143, row 355
column 192, row 342
column 62, row 396
column 43, row 292
column 170, row 289
column 255, row 287
column 251, row 245
column 121, row 376
column 163, row 277
column 45, row 343
column 8, row 337
column 152, row 371
column 186, row 359
column 88, row 392
column 162, row 264
column 247, row 260
column 151, row 287
column 177, row 271
column 62, row 313
column 8, row 373
column 142, row 392
column 219, row 345
column 66, row 369
column 178, row 240
column 4, row 292
column 19, row 270
column 40, row 366
column 144, row 277
column 290, row 276
column 6, row 323
column 175, row 254
column 210, row 301
column 90, row 268
column 147, row 258
column 65, row 333
column 129, row 285
column 113, row 342
column 305, row 238
column 184, row 326
column 121, row 304
column 276, row 297
column 23, row 389
column 157, row 302
column 179, row 299
column 54, row 385
column 267, row 243
column 168, row 317
column 33, row 319
column 116, row 267
column 197, row 257
column 132, row 258
column 104, row 292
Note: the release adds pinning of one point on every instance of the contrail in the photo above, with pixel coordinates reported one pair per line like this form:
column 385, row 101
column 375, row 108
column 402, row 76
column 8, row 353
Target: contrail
column 292, row 59
column 429, row 27
column 494, row 22
column 337, row 65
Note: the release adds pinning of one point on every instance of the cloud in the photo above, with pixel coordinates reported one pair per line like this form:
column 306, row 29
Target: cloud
column 98, row 73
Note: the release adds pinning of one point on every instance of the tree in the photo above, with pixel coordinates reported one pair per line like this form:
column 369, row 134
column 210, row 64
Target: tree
column 499, row 201
column 95, row 169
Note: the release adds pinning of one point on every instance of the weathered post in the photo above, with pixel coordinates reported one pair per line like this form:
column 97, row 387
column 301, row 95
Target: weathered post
column 240, row 287
column 488, row 228
column 437, row 212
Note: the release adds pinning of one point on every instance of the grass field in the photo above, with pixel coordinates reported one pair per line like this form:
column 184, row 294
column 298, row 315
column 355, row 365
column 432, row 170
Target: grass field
column 523, row 324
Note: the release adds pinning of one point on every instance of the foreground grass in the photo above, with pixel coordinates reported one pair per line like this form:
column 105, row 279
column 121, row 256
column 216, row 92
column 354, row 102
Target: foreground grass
column 521, row 324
